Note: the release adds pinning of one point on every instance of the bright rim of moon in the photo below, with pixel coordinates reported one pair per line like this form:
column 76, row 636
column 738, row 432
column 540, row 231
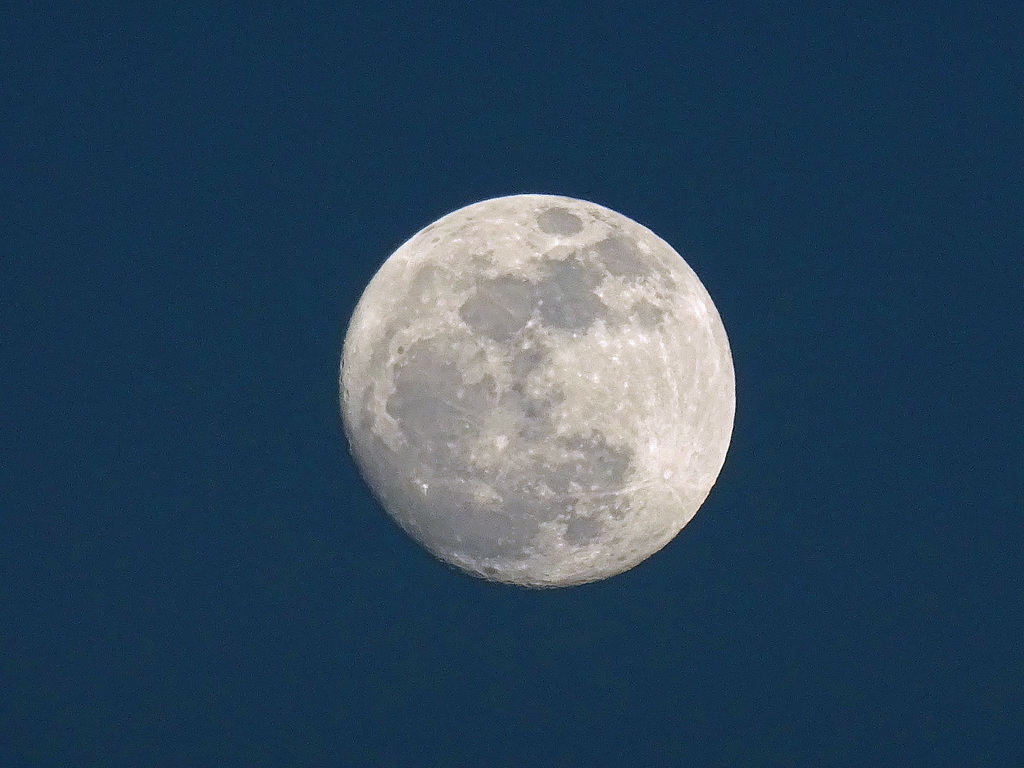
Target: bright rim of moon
column 538, row 389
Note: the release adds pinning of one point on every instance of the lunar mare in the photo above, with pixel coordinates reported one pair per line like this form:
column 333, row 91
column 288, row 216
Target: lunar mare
column 539, row 390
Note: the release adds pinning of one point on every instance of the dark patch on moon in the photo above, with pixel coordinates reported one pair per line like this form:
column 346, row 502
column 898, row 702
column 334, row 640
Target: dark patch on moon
column 646, row 314
column 442, row 416
column 526, row 360
column 559, row 221
column 499, row 308
column 619, row 256
column 423, row 288
column 592, row 466
column 567, row 297
column 431, row 398
column 580, row 530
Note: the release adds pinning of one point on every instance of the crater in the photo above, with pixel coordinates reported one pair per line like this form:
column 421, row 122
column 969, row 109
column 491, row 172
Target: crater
column 558, row 221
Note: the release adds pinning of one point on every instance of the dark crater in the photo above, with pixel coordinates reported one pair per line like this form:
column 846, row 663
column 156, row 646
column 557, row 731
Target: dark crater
column 558, row 221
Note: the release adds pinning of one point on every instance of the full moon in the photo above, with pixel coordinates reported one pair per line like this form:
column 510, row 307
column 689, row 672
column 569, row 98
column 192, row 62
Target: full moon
column 538, row 390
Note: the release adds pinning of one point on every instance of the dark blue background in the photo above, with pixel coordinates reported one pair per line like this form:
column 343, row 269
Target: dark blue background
column 192, row 572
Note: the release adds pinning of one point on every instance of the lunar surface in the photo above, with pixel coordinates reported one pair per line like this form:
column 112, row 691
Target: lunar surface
column 538, row 390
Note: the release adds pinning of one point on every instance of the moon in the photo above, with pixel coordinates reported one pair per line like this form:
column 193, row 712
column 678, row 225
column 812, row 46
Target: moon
column 539, row 390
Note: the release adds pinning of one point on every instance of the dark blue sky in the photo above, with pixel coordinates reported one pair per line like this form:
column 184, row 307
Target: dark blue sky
column 192, row 573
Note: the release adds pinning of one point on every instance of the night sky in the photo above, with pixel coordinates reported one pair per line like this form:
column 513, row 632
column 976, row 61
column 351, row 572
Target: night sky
column 192, row 572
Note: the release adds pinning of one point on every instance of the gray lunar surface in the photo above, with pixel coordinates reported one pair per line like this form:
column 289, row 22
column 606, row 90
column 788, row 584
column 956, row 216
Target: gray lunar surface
column 539, row 390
